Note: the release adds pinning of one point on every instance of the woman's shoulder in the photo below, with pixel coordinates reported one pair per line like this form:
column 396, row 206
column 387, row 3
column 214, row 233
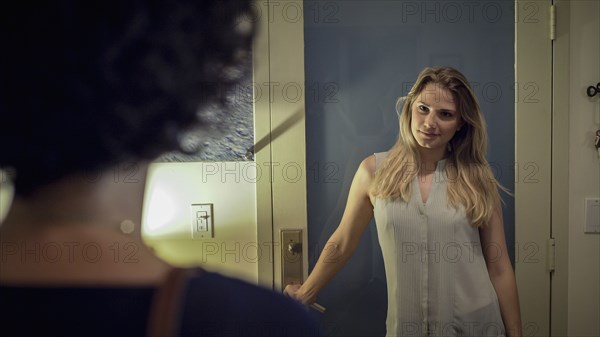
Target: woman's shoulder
column 215, row 303
column 366, row 169
column 371, row 163
column 380, row 158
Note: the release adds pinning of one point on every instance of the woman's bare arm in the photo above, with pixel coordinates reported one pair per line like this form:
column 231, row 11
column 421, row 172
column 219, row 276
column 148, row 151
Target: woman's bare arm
column 342, row 243
column 501, row 273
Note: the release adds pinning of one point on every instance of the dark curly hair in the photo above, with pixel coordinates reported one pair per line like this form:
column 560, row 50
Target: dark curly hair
column 87, row 85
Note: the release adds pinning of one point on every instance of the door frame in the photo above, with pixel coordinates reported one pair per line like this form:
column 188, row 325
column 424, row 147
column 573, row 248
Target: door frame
column 567, row 26
column 534, row 163
column 279, row 92
column 559, row 303
column 539, row 189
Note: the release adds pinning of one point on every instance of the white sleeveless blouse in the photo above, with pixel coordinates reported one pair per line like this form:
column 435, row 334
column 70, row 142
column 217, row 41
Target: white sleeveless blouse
column 437, row 279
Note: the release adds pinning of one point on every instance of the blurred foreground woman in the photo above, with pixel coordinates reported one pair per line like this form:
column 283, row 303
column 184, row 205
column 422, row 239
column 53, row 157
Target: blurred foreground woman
column 89, row 89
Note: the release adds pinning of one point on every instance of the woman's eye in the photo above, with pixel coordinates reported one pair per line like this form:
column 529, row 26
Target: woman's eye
column 423, row 108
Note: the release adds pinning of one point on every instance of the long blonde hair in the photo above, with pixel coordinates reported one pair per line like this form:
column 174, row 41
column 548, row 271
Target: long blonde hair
column 471, row 183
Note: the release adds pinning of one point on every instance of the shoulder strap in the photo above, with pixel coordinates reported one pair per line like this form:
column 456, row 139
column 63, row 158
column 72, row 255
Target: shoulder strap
column 167, row 303
column 379, row 158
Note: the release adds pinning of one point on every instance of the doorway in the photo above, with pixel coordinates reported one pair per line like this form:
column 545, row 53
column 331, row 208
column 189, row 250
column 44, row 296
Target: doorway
column 360, row 56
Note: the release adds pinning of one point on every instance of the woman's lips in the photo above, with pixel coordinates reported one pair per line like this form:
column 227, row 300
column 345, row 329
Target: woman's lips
column 427, row 134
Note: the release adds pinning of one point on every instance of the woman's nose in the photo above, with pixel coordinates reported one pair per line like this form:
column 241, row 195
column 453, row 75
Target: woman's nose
column 430, row 120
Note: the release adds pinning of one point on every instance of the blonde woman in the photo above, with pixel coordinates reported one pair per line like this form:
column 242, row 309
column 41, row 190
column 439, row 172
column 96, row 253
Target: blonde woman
column 439, row 220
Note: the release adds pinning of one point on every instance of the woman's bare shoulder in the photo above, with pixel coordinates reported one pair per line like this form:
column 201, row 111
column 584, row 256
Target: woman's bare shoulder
column 368, row 166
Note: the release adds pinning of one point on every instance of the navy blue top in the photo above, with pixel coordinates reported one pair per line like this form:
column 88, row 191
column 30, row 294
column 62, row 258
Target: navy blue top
column 214, row 306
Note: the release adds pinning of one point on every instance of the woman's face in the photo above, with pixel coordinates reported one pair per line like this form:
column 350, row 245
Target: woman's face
column 435, row 118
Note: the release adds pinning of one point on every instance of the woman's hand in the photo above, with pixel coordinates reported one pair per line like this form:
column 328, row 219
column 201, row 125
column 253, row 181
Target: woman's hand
column 295, row 291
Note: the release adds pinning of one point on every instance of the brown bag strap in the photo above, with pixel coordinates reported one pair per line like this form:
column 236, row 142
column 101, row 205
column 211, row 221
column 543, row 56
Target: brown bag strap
column 165, row 312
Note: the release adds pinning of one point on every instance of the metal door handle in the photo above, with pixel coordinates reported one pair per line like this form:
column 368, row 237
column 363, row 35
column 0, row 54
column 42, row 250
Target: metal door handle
column 318, row 307
column 295, row 248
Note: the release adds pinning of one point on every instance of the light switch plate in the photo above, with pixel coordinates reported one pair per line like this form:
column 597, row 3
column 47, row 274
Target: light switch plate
column 202, row 221
column 592, row 215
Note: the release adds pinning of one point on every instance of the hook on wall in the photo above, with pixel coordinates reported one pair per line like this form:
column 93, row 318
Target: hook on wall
column 592, row 91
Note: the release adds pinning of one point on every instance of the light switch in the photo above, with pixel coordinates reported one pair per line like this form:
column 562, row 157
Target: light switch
column 201, row 225
column 202, row 221
column 592, row 215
